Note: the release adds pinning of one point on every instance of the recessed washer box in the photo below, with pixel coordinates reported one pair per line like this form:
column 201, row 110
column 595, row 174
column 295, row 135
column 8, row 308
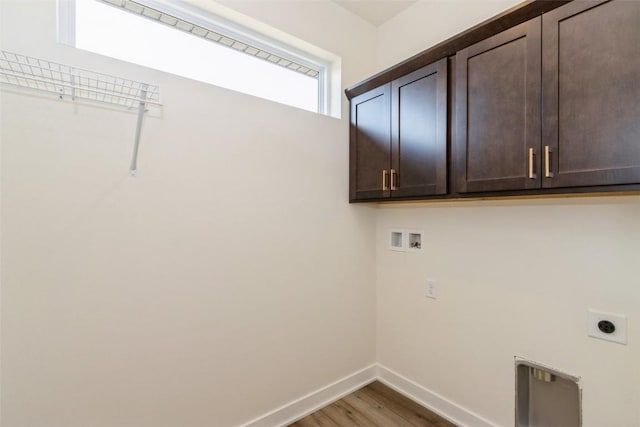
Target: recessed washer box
column 404, row 240
column 414, row 240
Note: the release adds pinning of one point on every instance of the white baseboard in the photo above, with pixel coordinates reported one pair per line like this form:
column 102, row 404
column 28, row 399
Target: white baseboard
column 431, row 400
column 315, row 400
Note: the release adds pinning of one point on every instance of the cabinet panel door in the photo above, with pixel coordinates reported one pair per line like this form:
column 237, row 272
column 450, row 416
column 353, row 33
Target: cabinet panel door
column 419, row 132
column 591, row 93
column 370, row 144
column 497, row 140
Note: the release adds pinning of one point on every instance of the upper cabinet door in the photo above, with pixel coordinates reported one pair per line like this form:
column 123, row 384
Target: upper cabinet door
column 370, row 144
column 419, row 132
column 497, row 124
column 591, row 94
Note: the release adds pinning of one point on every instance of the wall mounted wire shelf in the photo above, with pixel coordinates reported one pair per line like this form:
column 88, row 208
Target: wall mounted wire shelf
column 73, row 83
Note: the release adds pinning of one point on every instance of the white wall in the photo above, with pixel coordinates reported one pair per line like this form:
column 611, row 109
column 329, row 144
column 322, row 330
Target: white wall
column 229, row 278
column 428, row 22
column 515, row 279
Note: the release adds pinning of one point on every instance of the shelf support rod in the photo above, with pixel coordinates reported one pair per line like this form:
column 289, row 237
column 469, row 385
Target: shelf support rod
column 133, row 170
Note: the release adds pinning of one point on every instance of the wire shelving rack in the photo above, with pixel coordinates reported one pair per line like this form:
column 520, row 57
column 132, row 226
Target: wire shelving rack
column 73, row 83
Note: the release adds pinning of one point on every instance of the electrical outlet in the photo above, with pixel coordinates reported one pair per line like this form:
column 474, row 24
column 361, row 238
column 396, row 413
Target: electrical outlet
column 431, row 289
column 607, row 326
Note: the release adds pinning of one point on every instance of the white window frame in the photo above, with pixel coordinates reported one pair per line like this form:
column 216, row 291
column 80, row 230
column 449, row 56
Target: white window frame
column 66, row 12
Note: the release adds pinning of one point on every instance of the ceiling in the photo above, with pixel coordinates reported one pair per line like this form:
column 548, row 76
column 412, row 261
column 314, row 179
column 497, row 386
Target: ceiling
column 376, row 12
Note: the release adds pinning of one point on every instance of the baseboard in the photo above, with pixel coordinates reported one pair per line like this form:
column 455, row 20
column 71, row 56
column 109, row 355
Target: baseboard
column 320, row 398
column 315, row 400
column 431, row 400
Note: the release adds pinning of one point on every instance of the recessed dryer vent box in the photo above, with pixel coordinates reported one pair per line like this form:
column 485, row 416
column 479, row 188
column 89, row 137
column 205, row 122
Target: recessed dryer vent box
column 546, row 397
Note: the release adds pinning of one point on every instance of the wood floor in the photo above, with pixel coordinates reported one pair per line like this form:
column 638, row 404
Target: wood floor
column 374, row 405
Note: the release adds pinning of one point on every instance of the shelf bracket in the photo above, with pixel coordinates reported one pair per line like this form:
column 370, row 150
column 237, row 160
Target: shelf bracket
column 133, row 170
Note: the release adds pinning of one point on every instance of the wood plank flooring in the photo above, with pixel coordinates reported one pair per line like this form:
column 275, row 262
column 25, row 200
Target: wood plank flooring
column 374, row 405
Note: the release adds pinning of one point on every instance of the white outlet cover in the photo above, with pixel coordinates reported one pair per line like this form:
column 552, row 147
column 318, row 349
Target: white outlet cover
column 431, row 289
column 619, row 335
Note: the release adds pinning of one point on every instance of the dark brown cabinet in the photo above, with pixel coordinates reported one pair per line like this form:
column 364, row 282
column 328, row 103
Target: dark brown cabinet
column 591, row 94
column 552, row 103
column 543, row 99
column 419, row 132
column 498, row 111
column 370, row 144
column 399, row 137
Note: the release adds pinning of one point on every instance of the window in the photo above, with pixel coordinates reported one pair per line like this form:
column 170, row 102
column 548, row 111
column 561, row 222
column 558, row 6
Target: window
column 199, row 45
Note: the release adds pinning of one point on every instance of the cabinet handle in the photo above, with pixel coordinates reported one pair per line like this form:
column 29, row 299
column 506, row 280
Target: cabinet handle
column 532, row 174
column 547, row 162
column 384, row 180
column 393, row 179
